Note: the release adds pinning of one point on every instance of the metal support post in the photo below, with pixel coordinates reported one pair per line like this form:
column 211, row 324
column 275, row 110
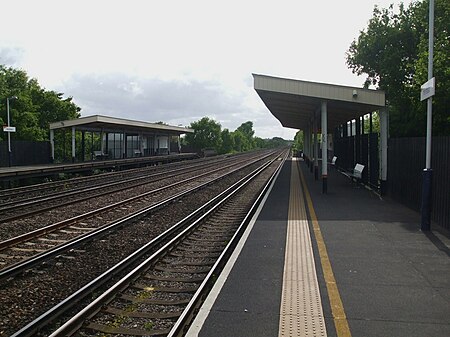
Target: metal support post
column 316, row 149
column 73, row 144
column 428, row 172
column 324, row 147
column 384, row 117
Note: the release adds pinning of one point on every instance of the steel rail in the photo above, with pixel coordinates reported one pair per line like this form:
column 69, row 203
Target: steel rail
column 182, row 323
column 38, row 258
column 11, row 192
column 55, row 312
column 73, row 191
column 76, row 322
column 136, row 181
column 19, row 216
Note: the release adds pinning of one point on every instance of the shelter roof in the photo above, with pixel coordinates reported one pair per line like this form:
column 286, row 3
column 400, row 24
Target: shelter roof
column 294, row 102
column 113, row 124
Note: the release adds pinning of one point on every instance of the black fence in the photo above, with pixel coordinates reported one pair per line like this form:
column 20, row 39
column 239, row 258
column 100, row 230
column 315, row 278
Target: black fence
column 25, row 153
column 406, row 161
column 361, row 149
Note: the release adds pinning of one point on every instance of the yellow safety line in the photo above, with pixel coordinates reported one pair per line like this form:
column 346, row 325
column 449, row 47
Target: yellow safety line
column 337, row 308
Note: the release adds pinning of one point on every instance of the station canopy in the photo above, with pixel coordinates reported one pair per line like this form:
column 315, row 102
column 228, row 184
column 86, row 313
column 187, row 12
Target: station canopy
column 294, row 102
column 97, row 123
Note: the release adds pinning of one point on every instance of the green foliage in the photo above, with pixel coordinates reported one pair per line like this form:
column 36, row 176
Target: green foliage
column 298, row 141
column 35, row 107
column 227, row 142
column 375, row 123
column 393, row 52
column 206, row 134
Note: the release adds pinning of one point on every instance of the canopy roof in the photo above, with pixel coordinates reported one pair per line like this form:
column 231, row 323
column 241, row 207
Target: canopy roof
column 294, row 102
column 99, row 123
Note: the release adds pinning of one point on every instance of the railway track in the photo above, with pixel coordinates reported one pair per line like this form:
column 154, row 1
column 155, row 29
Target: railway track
column 159, row 297
column 21, row 252
column 16, row 195
column 20, row 208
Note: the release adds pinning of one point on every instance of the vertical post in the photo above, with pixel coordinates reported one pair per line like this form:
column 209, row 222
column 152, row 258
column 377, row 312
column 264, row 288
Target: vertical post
column 92, row 145
column 307, row 142
column 9, row 134
column 107, row 144
column 101, row 144
column 316, row 149
column 358, row 140
column 324, row 147
column 124, row 145
column 73, row 144
column 305, row 146
column 52, row 145
column 310, row 147
column 427, row 176
column 83, row 145
column 384, row 117
column 304, row 142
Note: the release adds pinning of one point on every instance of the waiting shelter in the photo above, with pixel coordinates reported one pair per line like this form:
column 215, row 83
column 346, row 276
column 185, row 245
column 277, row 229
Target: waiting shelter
column 101, row 137
column 323, row 109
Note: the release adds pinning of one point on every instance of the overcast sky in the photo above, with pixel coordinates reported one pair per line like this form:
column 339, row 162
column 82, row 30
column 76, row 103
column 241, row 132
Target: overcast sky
column 177, row 61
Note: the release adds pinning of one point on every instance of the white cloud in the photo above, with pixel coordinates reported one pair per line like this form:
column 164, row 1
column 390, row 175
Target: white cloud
column 202, row 52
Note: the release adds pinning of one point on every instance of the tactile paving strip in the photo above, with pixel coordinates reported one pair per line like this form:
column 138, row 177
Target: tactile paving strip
column 301, row 311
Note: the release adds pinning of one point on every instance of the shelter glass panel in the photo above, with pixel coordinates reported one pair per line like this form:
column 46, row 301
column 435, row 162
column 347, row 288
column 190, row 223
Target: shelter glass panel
column 115, row 141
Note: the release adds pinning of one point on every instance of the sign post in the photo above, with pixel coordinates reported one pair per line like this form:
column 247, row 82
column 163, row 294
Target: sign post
column 8, row 128
column 427, row 92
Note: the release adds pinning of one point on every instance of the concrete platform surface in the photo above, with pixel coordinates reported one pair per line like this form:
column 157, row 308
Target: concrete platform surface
column 392, row 279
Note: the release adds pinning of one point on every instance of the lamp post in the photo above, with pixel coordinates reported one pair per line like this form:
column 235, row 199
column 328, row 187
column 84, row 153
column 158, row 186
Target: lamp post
column 9, row 132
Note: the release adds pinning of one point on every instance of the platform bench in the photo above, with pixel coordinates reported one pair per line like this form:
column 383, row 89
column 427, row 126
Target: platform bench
column 357, row 173
column 100, row 155
column 333, row 161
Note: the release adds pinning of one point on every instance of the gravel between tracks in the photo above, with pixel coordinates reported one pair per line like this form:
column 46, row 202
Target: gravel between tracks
column 26, row 297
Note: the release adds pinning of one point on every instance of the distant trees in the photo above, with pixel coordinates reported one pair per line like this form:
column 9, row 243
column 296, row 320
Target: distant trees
column 298, row 141
column 393, row 52
column 35, row 107
column 208, row 134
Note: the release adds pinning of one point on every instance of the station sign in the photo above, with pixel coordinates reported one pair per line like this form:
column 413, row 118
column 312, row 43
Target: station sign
column 9, row 128
column 427, row 89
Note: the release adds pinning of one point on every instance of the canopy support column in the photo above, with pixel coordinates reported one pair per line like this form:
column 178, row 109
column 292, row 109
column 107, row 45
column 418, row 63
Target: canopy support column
column 316, row 149
column 311, row 147
column 324, row 147
column 73, row 144
column 52, row 145
column 384, row 120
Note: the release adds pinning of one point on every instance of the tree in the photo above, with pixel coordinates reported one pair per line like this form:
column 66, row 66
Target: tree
column 246, row 129
column 35, row 107
column 227, row 141
column 298, row 141
column 207, row 134
column 393, row 52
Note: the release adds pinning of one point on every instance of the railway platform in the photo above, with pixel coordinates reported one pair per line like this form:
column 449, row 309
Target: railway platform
column 31, row 171
column 347, row 263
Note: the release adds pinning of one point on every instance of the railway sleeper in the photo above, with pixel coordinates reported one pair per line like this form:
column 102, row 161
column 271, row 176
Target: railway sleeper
column 185, row 270
column 128, row 313
column 134, row 299
column 125, row 331
column 191, row 254
column 165, row 289
column 174, row 279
